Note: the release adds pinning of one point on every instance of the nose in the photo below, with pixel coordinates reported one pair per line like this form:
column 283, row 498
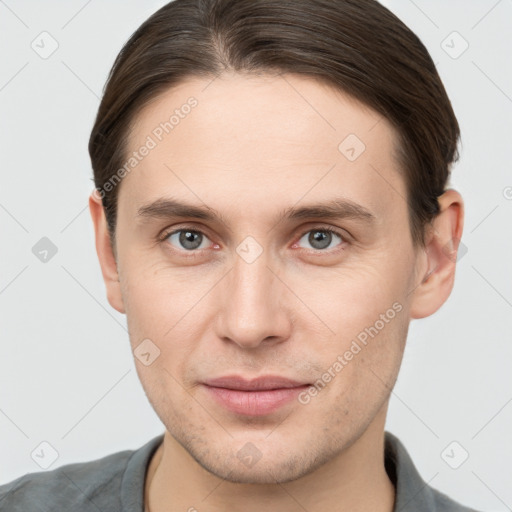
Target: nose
column 252, row 308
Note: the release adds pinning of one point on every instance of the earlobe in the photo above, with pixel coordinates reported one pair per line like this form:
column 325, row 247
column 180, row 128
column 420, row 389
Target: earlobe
column 439, row 258
column 105, row 253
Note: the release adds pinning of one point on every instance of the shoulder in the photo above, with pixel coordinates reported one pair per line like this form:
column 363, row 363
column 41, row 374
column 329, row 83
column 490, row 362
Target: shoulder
column 412, row 492
column 446, row 504
column 81, row 485
column 85, row 486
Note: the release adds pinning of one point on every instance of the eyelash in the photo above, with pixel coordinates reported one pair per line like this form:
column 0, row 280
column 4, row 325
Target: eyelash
column 195, row 253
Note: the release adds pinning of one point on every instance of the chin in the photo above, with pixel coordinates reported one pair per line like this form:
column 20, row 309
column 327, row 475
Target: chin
column 272, row 467
column 263, row 475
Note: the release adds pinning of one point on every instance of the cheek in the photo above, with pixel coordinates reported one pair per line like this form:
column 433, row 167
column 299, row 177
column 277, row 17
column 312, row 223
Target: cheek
column 346, row 300
column 360, row 368
column 156, row 295
column 171, row 307
column 364, row 323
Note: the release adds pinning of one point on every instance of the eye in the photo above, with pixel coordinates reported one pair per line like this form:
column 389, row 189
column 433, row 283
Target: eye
column 187, row 239
column 321, row 238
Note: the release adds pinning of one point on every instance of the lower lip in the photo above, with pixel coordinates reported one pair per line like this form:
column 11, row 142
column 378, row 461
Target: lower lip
column 254, row 403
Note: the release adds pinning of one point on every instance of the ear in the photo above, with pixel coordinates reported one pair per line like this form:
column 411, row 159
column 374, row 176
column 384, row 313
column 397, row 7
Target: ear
column 438, row 260
column 105, row 253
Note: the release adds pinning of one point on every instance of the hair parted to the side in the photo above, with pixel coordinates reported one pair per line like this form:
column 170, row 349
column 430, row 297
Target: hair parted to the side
column 358, row 46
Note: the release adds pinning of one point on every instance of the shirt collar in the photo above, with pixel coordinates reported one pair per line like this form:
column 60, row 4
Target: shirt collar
column 411, row 491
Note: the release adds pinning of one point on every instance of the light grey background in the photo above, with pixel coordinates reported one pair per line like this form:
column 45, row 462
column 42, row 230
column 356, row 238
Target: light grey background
column 67, row 376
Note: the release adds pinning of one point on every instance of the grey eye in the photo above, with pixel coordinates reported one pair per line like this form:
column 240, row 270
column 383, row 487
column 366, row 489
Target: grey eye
column 320, row 238
column 187, row 239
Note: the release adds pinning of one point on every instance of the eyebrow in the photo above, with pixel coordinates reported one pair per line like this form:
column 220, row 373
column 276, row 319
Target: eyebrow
column 336, row 208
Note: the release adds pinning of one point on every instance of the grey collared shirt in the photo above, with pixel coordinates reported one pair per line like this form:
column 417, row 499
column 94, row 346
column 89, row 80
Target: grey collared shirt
column 115, row 483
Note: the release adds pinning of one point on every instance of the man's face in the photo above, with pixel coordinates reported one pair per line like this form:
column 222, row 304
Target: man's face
column 259, row 293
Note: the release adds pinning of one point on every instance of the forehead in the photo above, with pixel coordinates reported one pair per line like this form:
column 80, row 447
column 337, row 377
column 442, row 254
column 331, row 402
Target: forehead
column 240, row 139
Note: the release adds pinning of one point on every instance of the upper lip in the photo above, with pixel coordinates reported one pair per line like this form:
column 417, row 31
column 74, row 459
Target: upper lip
column 264, row 382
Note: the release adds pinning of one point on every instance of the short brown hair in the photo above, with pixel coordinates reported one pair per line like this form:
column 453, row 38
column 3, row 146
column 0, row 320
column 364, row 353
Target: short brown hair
column 358, row 46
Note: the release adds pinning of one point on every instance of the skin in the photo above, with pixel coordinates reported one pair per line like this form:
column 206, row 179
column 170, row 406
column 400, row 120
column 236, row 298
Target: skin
column 250, row 148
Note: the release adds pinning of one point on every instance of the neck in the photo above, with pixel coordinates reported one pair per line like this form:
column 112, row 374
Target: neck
column 354, row 480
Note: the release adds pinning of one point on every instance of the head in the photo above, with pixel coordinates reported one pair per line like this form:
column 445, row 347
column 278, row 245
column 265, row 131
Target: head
column 271, row 199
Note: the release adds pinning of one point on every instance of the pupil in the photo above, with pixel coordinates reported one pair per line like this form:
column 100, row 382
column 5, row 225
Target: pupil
column 320, row 239
column 187, row 239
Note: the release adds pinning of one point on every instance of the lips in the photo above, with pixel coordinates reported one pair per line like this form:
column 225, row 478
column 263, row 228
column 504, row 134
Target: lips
column 253, row 397
column 262, row 383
